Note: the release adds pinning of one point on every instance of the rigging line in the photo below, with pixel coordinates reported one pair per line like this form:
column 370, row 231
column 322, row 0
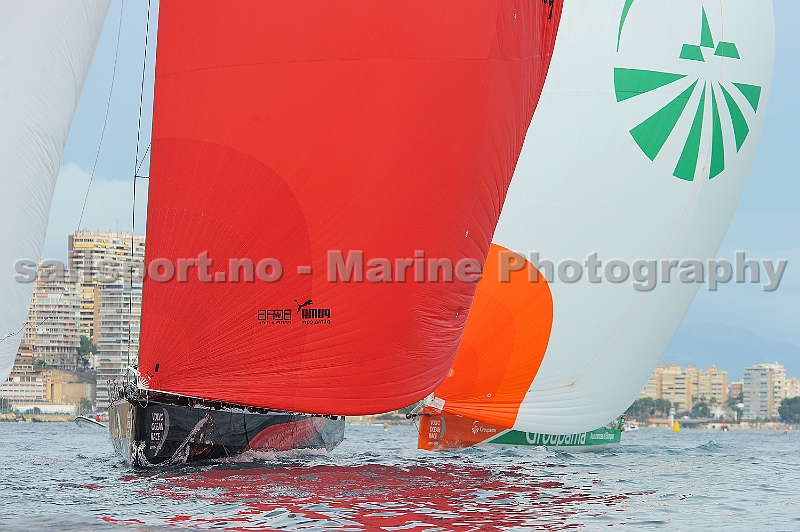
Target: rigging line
column 105, row 119
column 136, row 166
column 144, row 156
column 94, row 168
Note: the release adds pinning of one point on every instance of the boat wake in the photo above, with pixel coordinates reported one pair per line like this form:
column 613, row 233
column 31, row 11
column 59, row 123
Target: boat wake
column 711, row 447
column 250, row 457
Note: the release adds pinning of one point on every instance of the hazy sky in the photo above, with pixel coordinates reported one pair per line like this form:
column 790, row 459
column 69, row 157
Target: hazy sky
column 766, row 224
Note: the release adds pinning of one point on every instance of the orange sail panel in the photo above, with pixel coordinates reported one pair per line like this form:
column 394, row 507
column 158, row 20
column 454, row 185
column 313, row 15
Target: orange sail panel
column 504, row 341
column 294, row 129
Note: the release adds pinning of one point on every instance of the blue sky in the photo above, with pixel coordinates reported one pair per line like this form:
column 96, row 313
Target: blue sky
column 766, row 224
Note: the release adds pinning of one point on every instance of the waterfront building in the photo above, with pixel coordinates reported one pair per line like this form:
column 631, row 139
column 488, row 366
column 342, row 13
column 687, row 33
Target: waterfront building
column 53, row 317
column 30, row 383
column 118, row 308
column 67, row 387
column 26, row 382
column 764, row 387
column 46, row 408
column 683, row 387
column 102, row 257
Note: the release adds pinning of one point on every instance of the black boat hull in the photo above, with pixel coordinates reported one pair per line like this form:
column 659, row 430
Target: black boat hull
column 154, row 433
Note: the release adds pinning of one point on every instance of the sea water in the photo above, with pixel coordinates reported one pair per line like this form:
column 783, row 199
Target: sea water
column 59, row 476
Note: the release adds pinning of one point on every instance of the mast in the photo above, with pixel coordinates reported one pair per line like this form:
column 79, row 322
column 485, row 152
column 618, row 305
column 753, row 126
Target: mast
column 136, row 168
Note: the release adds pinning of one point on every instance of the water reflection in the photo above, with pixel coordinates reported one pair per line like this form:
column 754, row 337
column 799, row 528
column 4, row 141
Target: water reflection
column 416, row 497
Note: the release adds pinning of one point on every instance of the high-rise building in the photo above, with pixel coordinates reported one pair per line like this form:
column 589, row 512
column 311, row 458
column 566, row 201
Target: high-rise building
column 118, row 308
column 102, row 257
column 764, row 387
column 52, row 326
column 683, row 387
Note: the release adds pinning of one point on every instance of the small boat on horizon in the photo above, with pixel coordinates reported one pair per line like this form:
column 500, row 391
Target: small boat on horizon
column 86, row 421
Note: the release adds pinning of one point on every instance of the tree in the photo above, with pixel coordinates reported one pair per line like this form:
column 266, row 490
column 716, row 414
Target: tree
column 790, row 410
column 86, row 348
column 734, row 400
column 5, row 405
column 700, row 410
column 641, row 408
column 84, row 406
column 662, row 405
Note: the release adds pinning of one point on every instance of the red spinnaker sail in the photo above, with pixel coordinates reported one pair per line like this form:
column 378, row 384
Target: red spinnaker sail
column 288, row 128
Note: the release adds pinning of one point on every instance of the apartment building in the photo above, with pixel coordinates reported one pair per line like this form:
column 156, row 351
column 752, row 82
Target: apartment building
column 709, row 384
column 53, row 317
column 118, row 308
column 764, row 387
column 102, row 257
column 683, row 387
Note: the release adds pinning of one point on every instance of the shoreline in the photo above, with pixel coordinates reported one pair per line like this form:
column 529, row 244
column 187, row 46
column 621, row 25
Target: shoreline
column 396, row 419
column 44, row 418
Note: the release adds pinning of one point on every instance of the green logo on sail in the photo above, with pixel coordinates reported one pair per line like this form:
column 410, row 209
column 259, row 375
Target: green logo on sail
column 651, row 134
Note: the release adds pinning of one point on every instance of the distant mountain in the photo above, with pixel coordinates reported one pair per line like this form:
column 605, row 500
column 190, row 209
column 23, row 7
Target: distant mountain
column 729, row 348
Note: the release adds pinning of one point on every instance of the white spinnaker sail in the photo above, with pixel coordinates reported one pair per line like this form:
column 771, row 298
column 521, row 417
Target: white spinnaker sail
column 586, row 183
column 46, row 49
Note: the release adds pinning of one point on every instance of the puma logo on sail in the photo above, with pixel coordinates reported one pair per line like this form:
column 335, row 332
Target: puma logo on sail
column 300, row 306
column 313, row 316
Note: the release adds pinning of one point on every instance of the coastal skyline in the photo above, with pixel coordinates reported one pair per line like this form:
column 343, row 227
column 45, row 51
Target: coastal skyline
column 763, row 225
column 727, row 347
